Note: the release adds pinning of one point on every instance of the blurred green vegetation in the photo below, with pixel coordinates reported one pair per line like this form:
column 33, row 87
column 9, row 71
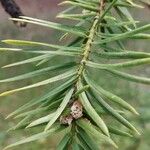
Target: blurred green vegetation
column 137, row 94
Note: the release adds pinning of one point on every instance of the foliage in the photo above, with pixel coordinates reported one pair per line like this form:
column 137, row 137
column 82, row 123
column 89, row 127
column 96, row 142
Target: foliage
column 79, row 106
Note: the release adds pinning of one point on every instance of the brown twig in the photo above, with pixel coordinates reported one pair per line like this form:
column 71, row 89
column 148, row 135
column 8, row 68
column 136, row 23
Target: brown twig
column 13, row 10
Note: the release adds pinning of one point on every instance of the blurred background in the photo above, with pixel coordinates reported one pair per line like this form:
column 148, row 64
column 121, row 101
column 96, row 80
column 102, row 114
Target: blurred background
column 137, row 94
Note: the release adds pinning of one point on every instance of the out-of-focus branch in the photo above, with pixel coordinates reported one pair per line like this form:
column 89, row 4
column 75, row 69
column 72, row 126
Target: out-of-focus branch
column 13, row 10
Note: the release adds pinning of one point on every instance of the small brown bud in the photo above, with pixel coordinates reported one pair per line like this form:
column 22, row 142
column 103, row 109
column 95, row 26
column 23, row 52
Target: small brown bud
column 76, row 110
column 66, row 119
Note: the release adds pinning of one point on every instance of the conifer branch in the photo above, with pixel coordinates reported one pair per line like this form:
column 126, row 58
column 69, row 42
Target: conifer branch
column 92, row 32
column 78, row 104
